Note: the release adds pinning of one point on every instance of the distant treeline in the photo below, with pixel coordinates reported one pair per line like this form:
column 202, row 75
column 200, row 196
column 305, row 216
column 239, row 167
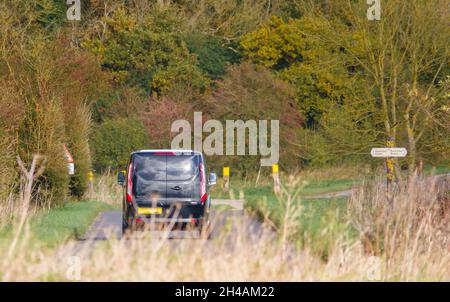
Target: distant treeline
column 116, row 80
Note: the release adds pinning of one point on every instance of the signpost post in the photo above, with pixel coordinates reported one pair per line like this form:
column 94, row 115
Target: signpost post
column 389, row 153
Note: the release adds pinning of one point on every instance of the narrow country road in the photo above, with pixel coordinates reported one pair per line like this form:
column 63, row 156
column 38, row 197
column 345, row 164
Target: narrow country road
column 108, row 225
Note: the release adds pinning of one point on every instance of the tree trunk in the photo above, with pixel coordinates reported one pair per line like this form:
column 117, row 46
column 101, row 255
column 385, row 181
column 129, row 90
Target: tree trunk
column 412, row 153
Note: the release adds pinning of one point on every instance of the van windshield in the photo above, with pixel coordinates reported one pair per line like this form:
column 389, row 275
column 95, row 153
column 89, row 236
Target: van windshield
column 152, row 172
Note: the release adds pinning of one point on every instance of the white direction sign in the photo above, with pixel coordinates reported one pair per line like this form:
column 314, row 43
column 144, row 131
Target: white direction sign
column 388, row 152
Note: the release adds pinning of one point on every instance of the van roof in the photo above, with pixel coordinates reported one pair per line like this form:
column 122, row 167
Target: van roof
column 166, row 150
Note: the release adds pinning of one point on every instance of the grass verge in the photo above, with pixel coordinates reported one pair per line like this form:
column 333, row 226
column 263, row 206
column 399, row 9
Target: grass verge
column 311, row 188
column 317, row 224
column 328, row 186
column 222, row 207
column 57, row 225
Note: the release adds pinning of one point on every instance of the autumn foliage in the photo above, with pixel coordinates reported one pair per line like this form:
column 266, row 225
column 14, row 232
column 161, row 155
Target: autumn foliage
column 338, row 83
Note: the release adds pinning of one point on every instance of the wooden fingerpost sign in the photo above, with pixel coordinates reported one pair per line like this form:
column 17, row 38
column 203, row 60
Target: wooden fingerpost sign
column 276, row 179
column 226, row 178
column 389, row 153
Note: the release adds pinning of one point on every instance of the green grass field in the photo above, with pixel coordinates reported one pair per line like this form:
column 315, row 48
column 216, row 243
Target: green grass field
column 442, row 169
column 221, row 207
column 54, row 226
column 319, row 220
column 312, row 188
column 318, row 223
column 312, row 210
column 328, row 186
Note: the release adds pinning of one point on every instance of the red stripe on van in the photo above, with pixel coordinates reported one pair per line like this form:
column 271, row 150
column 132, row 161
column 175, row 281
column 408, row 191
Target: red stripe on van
column 165, row 153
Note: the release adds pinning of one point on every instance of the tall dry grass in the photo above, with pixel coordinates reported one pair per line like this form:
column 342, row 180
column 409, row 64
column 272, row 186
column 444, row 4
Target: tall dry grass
column 16, row 205
column 105, row 189
column 412, row 235
column 337, row 172
column 407, row 242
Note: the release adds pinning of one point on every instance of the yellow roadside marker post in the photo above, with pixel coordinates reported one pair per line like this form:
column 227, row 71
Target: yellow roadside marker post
column 276, row 179
column 90, row 177
column 226, row 178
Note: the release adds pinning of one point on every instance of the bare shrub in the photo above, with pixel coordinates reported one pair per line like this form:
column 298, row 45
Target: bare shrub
column 11, row 114
column 249, row 92
column 48, row 138
column 78, row 128
column 159, row 116
column 7, row 208
column 8, row 175
column 106, row 189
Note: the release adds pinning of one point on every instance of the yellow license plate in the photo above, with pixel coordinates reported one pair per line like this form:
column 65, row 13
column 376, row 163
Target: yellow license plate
column 149, row 211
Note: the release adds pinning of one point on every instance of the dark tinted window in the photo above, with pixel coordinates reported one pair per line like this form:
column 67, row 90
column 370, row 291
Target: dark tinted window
column 150, row 167
column 151, row 172
column 182, row 167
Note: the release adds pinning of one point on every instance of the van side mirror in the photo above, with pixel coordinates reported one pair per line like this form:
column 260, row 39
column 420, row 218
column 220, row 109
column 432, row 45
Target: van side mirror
column 121, row 178
column 212, row 179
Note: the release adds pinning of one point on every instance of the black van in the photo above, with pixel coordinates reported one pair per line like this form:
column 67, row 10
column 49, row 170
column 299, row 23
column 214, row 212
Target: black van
column 166, row 186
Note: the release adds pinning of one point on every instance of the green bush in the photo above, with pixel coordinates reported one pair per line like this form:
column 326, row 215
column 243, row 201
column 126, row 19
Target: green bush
column 298, row 51
column 51, row 14
column 213, row 54
column 146, row 52
column 8, row 175
column 11, row 114
column 343, row 137
column 43, row 133
column 77, row 80
column 250, row 92
column 113, row 140
column 126, row 102
column 78, row 128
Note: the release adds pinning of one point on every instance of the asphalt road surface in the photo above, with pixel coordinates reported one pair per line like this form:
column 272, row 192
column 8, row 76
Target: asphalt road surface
column 108, row 225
